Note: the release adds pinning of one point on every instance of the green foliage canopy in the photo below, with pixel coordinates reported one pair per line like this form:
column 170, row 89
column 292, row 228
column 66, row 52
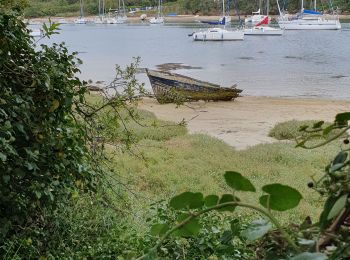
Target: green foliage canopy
column 44, row 145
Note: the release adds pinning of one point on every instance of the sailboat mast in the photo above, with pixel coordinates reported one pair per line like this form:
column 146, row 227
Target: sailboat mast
column 302, row 5
column 223, row 8
column 81, row 8
column 267, row 7
column 259, row 6
column 315, row 5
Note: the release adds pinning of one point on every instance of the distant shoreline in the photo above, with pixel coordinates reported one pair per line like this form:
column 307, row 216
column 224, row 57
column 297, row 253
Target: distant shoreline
column 168, row 19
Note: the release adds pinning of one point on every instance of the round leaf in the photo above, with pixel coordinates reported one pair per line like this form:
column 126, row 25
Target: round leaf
column 159, row 229
column 211, row 200
column 187, row 200
column 228, row 198
column 192, row 228
column 239, row 183
column 281, row 197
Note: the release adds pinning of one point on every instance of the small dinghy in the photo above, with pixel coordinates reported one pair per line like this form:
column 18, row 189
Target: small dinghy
column 170, row 87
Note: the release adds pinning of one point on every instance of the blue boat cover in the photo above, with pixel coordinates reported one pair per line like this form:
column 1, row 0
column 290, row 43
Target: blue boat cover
column 222, row 22
column 310, row 12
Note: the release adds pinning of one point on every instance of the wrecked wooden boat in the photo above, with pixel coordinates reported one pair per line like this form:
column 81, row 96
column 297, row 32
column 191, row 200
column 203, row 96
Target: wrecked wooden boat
column 170, row 87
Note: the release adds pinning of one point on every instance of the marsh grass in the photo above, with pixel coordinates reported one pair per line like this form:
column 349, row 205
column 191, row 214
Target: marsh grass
column 197, row 163
column 289, row 130
column 173, row 162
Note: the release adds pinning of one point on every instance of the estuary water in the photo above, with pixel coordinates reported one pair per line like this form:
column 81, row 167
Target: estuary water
column 307, row 64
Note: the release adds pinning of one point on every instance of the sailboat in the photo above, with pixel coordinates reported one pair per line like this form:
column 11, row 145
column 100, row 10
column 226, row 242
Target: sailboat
column 308, row 20
column 226, row 12
column 101, row 13
column 81, row 19
column 121, row 16
column 256, row 17
column 159, row 18
column 262, row 27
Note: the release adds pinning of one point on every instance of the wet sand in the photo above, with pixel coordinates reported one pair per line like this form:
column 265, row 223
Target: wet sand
column 246, row 121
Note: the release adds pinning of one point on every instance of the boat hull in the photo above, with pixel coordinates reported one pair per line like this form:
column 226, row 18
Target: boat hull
column 310, row 24
column 218, row 35
column 157, row 20
column 268, row 31
column 169, row 87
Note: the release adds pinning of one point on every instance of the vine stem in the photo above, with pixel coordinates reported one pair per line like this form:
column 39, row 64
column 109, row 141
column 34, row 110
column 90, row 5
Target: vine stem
column 329, row 140
column 193, row 215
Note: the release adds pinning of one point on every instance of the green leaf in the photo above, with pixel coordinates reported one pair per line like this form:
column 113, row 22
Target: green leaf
column 235, row 227
column 309, row 256
column 192, row 228
column 211, row 200
column 336, row 167
column 342, row 118
column 187, row 200
column 239, row 183
column 303, row 128
column 228, row 198
column 281, row 197
column 6, row 178
column 318, row 124
column 338, row 206
column 306, row 242
column 159, row 229
column 256, row 229
column 326, row 209
column 340, row 158
column 328, row 129
column 3, row 157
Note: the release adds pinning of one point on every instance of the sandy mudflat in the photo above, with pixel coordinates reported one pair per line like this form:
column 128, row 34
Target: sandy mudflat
column 246, row 121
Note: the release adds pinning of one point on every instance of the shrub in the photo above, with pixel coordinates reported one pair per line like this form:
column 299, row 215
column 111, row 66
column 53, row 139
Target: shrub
column 44, row 154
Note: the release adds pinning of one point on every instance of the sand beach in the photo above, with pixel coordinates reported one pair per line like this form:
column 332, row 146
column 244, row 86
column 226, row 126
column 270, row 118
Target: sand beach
column 247, row 120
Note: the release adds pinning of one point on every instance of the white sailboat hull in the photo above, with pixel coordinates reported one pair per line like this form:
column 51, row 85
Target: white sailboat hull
column 263, row 30
column 254, row 19
column 218, row 34
column 310, row 24
column 81, row 20
column 156, row 20
column 121, row 19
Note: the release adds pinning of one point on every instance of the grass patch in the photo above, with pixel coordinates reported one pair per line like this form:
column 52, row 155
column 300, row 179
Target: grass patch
column 289, row 130
column 197, row 163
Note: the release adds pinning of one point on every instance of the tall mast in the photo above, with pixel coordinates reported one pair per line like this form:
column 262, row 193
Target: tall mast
column 259, row 6
column 302, row 5
column 81, row 8
column 267, row 7
column 315, row 5
column 223, row 8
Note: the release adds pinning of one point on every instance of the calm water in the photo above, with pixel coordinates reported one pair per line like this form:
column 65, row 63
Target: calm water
column 298, row 64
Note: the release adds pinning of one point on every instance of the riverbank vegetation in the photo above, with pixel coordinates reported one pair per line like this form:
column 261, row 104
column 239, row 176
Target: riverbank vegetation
column 91, row 176
column 38, row 8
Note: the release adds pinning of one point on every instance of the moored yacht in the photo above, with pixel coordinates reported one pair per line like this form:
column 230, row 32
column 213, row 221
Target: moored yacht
column 308, row 20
